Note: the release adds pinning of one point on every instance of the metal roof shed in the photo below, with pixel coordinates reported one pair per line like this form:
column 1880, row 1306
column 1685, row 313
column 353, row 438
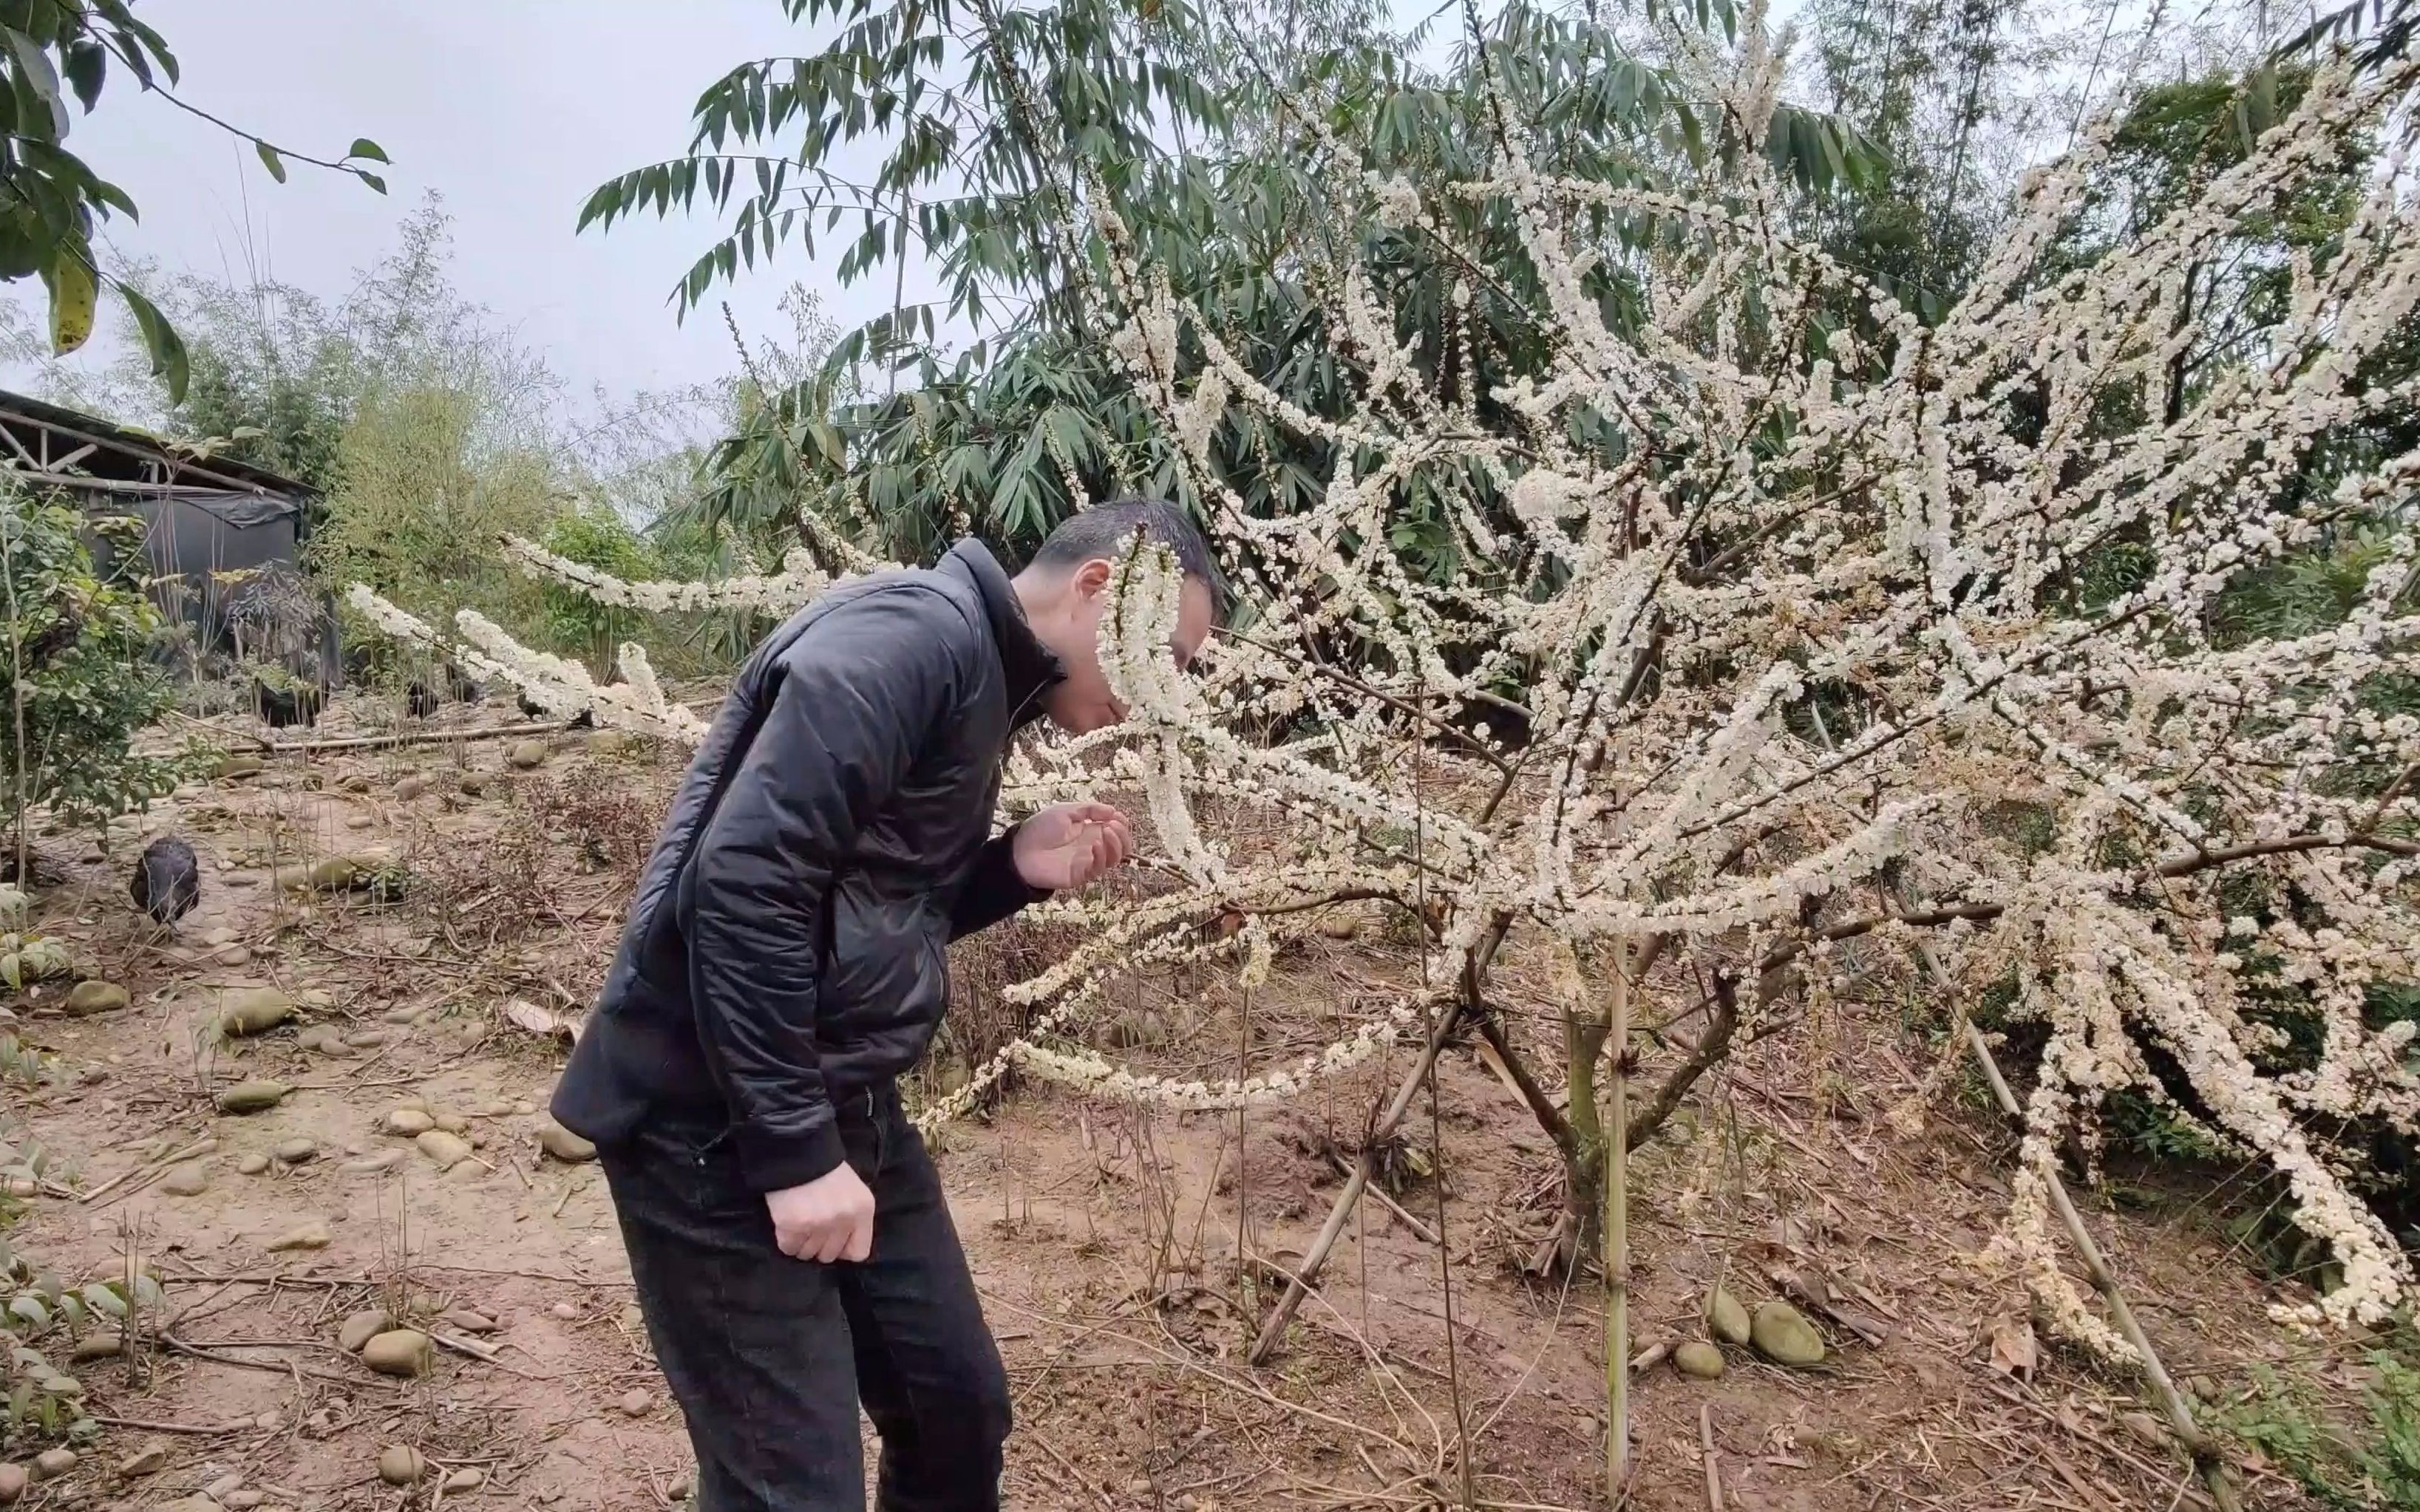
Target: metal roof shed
column 223, row 538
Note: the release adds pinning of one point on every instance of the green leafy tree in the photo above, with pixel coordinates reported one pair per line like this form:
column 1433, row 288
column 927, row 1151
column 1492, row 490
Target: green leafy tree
column 278, row 371
column 79, row 681
column 997, row 129
column 595, row 536
column 421, row 497
column 52, row 203
column 446, row 431
column 1919, row 79
column 270, row 379
column 2371, row 33
column 431, row 429
column 2173, row 137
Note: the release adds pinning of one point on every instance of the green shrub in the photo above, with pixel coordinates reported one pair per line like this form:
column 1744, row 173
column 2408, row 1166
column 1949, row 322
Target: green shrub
column 420, row 500
column 596, row 537
column 76, row 681
column 2391, row 1459
column 40, row 1316
column 2376, row 1467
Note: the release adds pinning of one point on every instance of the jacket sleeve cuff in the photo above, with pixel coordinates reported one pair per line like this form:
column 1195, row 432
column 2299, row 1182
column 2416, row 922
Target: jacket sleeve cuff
column 774, row 1162
column 992, row 890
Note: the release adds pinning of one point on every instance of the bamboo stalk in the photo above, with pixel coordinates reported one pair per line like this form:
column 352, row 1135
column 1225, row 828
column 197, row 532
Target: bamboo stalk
column 1617, row 1236
column 1246, row 1285
column 18, row 529
column 417, row 737
column 1583, row 1043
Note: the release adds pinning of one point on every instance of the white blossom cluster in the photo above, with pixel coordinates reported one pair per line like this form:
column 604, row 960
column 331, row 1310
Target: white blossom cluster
column 400, row 625
column 562, row 687
column 1815, row 621
column 1089, row 1073
column 780, row 594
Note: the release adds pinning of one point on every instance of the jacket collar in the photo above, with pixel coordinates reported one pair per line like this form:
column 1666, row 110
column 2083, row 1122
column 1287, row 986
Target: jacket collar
column 1030, row 668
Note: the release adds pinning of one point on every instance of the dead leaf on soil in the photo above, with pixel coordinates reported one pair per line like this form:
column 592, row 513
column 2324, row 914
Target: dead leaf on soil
column 1494, row 1062
column 1789, row 1233
column 1809, row 1284
column 544, row 1023
column 2012, row 1347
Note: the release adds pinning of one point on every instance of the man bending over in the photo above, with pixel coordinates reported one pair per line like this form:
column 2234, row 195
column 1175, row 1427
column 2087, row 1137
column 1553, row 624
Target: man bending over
column 786, row 960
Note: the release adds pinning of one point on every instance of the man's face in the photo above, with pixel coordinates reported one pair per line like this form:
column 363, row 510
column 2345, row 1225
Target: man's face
column 1083, row 703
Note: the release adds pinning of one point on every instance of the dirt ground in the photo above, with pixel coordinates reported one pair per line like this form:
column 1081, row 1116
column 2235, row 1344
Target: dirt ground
column 1104, row 1241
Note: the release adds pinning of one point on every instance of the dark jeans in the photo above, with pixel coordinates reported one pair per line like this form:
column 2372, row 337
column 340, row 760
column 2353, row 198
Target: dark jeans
column 771, row 1356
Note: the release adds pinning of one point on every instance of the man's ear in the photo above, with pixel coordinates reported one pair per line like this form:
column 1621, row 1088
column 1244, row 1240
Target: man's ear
column 1090, row 578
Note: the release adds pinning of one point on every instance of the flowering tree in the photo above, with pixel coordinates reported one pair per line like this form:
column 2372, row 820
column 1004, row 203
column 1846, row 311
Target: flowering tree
column 1783, row 620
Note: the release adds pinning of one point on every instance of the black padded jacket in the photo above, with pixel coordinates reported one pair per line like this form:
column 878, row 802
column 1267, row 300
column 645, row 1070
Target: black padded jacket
column 787, row 944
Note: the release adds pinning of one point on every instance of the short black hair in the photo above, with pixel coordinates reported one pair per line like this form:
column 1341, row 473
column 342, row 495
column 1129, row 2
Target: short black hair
column 1102, row 531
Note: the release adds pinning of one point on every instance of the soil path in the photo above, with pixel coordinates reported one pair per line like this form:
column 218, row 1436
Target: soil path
column 1104, row 1241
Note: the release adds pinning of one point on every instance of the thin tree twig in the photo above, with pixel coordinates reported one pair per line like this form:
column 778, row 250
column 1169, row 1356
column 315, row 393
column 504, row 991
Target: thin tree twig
column 1427, row 1236
column 1541, row 1107
column 1712, row 1046
column 1306, row 1273
column 152, row 1426
column 273, row 1366
column 1706, row 1451
column 150, row 85
column 149, row 1168
column 259, row 743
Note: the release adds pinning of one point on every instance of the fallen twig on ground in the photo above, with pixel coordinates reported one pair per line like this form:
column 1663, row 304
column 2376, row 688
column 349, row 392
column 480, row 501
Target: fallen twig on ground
column 418, row 737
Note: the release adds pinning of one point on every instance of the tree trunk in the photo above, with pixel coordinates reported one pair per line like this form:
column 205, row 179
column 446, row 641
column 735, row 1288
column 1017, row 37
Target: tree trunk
column 1584, row 1158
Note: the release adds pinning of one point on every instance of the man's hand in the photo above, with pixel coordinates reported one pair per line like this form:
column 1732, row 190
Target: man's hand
column 1068, row 844
column 830, row 1218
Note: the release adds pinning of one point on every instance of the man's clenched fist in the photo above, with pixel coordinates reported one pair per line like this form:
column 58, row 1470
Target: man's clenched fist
column 830, row 1218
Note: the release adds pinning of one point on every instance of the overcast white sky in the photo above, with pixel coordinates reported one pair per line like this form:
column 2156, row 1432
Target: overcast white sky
column 513, row 108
